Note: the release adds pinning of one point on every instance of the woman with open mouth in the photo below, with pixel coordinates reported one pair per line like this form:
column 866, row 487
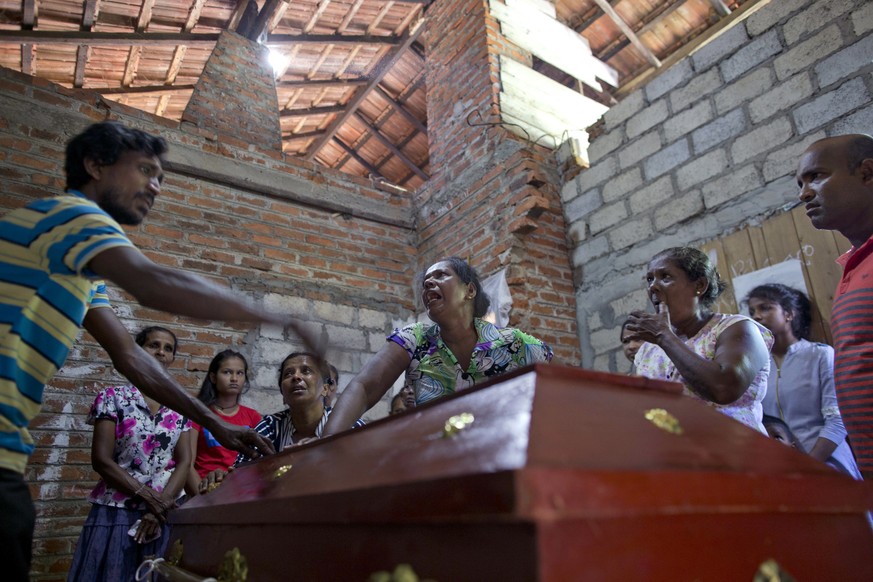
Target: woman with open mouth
column 722, row 360
column 456, row 351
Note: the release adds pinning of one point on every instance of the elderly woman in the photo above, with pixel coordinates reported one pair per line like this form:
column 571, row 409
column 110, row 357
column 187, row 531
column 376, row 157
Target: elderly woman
column 723, row 360
column 455, row 352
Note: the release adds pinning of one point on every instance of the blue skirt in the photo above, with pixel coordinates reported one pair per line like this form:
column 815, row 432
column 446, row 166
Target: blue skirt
column 106, row 552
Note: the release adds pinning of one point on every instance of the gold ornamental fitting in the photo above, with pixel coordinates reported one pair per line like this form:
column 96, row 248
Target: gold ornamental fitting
column 456, row 424
column 664, row 420
column 213, row 486
column 234, row 568
column 771, row 571
column 281, row 471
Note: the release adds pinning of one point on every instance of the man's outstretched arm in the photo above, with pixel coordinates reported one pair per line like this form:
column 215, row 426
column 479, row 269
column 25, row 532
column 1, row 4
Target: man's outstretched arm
column 149, row 376
column 183, row 293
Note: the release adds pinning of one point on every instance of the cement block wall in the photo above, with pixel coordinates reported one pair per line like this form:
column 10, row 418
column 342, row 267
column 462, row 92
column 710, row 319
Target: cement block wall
column 708, row 146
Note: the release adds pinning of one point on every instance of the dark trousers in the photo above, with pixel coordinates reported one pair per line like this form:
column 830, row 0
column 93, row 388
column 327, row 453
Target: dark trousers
column 17, row 518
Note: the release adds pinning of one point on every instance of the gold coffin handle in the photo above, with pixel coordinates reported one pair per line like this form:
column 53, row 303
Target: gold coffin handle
column 456, row 424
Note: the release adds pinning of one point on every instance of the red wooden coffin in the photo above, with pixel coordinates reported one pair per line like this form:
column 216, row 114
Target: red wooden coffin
column 563, row 474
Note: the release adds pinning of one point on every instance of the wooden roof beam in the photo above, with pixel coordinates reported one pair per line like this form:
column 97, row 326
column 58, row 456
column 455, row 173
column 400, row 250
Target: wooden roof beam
column 414, row 31
column 312, row 111
column 175, row 38
column 391, row 147
column 323, row 83
column 401, row 110
column 628, row 32
column 144, row 89
column 720, row 7
column 369, row 167
column 267, row 15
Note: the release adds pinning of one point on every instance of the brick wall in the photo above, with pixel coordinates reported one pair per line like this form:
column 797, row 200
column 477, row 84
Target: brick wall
column 347, row 277
column 710, row 145
column 242, row 113
column 493, row 198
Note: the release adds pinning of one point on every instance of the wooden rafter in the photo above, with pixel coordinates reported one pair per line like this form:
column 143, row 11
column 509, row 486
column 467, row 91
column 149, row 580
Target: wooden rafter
column 176, row 38
column 720, row 7
column 367, row 165
column 325, row 110
column 265, row 19
column 391, row 147
column 401, row 109
column 398, row 108
column 322, row 6
column 414, row 31
column 628, row 32
column 169, row 89
column 323, row 83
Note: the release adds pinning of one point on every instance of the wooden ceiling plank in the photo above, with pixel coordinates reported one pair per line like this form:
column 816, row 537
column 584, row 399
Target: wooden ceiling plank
column 628, row 32
column 361, row 94
column 391, row 147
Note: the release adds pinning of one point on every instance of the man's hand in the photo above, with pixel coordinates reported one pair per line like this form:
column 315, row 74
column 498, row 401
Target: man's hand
column 311, row 340
column 242, row 439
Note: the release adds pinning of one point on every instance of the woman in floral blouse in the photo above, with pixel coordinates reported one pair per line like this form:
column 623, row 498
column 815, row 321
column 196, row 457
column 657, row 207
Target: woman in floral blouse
column 722, row 360
column 457, row 351
column 135, row 452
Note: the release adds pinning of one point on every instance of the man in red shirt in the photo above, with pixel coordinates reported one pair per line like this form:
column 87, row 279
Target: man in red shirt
column 835, row 176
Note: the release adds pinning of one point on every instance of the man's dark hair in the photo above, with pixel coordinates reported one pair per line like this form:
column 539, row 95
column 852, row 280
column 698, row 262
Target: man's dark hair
column 143, row 336
column 859, row 148
column 104, row 143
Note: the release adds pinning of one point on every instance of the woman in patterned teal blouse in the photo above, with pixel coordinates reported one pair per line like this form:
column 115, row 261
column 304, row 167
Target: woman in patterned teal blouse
column 455, row 352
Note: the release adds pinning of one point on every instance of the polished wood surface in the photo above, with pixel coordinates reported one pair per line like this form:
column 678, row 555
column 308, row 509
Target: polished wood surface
column 559, row 477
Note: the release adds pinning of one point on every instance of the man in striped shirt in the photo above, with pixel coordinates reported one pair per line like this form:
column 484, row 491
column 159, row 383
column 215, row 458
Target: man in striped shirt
column 54, row 254
column 835, row 176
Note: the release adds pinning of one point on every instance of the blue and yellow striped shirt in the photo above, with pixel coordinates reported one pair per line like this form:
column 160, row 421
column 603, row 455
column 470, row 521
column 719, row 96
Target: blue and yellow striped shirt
column 45, row 291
